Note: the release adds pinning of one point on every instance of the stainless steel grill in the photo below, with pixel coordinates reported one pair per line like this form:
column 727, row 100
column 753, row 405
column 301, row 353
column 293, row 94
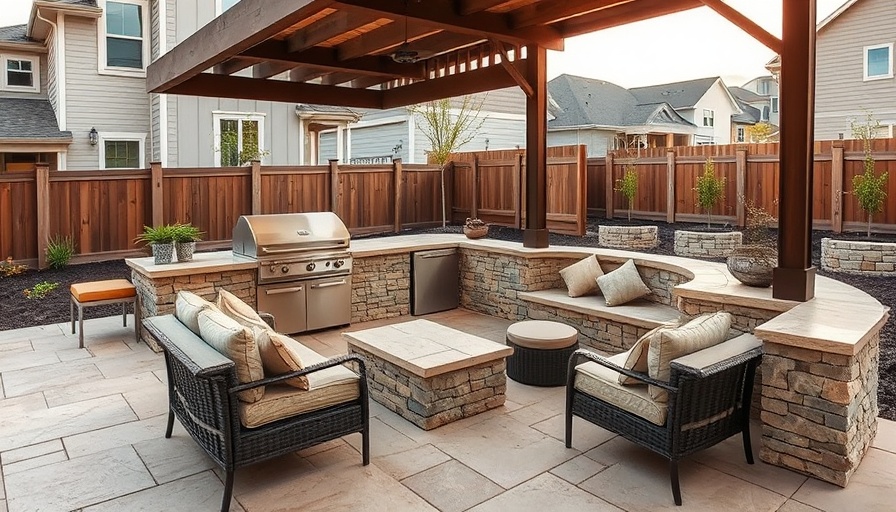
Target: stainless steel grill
column 304, row 268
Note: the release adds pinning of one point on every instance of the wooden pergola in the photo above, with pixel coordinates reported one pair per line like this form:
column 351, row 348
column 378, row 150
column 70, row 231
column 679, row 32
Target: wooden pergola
column 391, row 53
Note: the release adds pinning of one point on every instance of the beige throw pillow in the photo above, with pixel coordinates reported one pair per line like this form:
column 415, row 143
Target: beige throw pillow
column 243, row 313
column 622, row 285
column 237, row 343
column 278, row 356
column 187, row 307
column 702, row 332
column 637, row 355
column 580, row 277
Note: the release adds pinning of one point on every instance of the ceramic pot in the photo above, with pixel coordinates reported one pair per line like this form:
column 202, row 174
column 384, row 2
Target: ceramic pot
column 753, row 265
column 185, row 250
column 162, row 253
column 475, row 232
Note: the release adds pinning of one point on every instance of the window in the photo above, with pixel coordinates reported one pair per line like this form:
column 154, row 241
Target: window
column 122, row 150
column 774, row 100
column 741, row 134
column 223, row 5
column 238, row 138
column 878, row 61
column 708, row 117
column 123, row 45
column 20, row 73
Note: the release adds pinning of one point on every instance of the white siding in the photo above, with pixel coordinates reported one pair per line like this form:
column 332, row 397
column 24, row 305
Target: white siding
column 108, row 103
column 378, row 140
column 841, row 94
column 717, row 100
column 327, row 148
column 597, row 141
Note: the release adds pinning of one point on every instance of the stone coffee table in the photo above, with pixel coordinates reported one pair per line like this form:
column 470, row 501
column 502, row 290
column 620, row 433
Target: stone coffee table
column 431, row 374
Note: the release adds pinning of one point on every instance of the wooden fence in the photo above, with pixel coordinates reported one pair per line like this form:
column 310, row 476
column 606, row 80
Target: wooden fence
column 103, row 211
column 667, row 177
column 491, row 185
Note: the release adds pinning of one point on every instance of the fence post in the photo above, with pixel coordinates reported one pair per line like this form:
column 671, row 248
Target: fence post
column 582, row 192
column 740, row 163
column 256, row 187
column 157, row 190
column 334, row 186
column 517, row 191
column 670, row 189
column 42, row 175
column 609, row 192
column 396, row 173
column 837, row 167
column 474, row 207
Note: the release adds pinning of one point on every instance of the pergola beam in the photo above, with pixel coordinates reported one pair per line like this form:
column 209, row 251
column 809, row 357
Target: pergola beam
column 259, row 19
column 323, row 30
column 514, row 73
column 478, row 80
column 746, row 24
column 440, row 13
column 554, row 11
column 211, row 85
column 327, row 58
column 382, row 39
column 623, row 14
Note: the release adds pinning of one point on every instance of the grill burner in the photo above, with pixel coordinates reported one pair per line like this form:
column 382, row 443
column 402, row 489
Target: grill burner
column 304, row 267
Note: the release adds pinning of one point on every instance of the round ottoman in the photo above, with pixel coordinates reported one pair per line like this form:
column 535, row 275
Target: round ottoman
column 541, row 351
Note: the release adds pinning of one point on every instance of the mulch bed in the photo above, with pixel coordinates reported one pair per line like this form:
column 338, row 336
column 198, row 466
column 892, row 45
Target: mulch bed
column 20, row 311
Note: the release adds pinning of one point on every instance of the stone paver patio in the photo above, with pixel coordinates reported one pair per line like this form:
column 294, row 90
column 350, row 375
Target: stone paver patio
column 83, row 429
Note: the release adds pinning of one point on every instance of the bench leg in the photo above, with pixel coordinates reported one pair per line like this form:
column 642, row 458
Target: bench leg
column 748, row 445
column 124, row 314
column 80, row 325
column 228, row 491
column 71, row 311
column 676, row 489
column 137, row 317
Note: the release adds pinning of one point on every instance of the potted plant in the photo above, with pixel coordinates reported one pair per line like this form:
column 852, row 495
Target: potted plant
column 754, row 261
column 161, row 240
column 185, row 238
column 475, row 228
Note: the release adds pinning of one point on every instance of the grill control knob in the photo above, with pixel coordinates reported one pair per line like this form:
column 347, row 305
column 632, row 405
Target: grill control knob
column 273, row 269
column 310, row 266
column 284, row 269
column 338, row 263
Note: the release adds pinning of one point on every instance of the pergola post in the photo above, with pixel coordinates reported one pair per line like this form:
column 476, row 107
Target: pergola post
column 536, row 234
column 794, row 278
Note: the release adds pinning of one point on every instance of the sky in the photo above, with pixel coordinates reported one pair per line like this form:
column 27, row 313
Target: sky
column 692, row 44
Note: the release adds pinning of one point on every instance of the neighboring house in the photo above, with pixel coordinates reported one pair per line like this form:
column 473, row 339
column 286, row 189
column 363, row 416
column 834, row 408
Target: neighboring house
column 704, row 102
column 762, row 93
column 74, row 86
column 741, row 123
column 381, row 135
column 854, row 68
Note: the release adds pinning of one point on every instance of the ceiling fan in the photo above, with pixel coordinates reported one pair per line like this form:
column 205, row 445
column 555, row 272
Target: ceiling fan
column 404, row 54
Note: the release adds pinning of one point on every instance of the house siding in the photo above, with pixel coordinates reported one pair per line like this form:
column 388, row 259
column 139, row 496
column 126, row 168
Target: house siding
column 717, row 100
column 841, row 94
column 598, row 142
column 52, row 76
column 190, row 119
column 378, row 141
column 326, row 148
column 108, row 103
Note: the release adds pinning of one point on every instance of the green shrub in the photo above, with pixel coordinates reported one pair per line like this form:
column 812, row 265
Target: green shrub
column 60, row 250
column 710, row 189
column 157, row 235
column 870, row 189
column 628, row 185
column 40, row 290
column 184, row 233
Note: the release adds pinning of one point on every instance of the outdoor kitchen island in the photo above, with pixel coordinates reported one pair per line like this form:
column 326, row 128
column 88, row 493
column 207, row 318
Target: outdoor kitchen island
column 819, row 375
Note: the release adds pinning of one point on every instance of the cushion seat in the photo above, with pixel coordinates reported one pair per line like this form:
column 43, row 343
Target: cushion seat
column 542, row 334
column 103, row 290
column 603, row 383
column 326, row 388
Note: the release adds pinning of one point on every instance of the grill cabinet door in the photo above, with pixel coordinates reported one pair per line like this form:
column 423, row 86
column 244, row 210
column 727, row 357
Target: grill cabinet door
column 286, row 301
column 329, row 302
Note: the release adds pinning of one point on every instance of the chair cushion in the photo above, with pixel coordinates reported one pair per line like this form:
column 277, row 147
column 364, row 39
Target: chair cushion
column 603, row 383
column 103, row 290
column 622, row 285
column 187, row 307
column 580, row 277
column 636, row 357
column 326, row 388
column 235, row 308
column 542, row 334
column 702, row 332
column 238, row 344
column 279, row 355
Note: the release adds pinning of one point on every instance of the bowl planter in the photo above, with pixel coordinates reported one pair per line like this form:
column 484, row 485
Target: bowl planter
column 475, row 228
column 706, row 243
column 753, row 265
column 627, row 237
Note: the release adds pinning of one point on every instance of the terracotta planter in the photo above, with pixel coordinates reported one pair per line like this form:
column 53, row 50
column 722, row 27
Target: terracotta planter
column 476, row 232
column 162, row 253
column 753, row 265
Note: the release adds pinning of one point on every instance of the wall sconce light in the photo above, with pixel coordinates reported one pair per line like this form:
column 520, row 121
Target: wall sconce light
column 486, row 144
column 93, row 137
column 397, row 148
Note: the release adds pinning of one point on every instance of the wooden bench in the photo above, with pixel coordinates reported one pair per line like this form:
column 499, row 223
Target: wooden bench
column 611, row 329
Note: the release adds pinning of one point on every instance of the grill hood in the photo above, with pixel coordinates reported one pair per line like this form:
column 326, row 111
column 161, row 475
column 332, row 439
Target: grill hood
column 290, row 234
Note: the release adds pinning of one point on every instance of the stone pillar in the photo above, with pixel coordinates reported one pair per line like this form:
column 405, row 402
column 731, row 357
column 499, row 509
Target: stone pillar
column 819, row 409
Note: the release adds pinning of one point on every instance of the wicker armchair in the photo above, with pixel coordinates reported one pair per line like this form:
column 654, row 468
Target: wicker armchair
column 202, row 388
column 709, row 401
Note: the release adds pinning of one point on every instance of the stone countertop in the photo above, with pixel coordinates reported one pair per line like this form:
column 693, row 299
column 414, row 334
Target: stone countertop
column 426, row 348
column 203, row 263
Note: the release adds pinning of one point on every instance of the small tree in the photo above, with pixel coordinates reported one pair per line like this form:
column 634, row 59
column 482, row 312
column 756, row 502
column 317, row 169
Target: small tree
column 760, row 132
column 710, row 189
column 868, row 187
column 446, row 131
column 628, row 185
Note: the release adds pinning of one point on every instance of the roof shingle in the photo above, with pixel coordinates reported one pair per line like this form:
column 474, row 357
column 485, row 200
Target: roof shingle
column 678, row 94
column 30, row 119
column 14, row 33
